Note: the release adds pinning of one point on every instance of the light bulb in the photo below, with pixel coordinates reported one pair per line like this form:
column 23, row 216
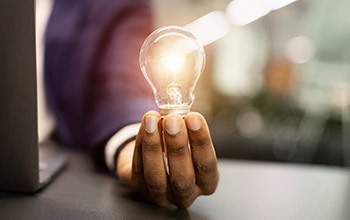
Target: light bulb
column 172, row 59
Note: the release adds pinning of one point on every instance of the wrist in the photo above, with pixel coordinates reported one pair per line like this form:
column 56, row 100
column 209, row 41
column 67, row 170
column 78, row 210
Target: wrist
column 117, row 142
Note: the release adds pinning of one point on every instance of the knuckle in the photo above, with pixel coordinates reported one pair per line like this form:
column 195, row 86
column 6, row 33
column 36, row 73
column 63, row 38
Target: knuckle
column 151, row 146
column 178, row 151
column 206, row 168
column 156, row 184
column 198, row 142
column 183, row 186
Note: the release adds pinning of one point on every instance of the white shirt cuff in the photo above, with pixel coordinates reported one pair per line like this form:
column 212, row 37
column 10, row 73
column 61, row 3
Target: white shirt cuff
column 116, row 141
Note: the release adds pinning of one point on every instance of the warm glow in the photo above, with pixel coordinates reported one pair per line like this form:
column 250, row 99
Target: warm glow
column 172, row 63
column 172, row 60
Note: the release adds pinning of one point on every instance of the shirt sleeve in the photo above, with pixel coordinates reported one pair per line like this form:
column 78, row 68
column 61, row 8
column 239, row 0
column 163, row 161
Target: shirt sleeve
column 117, row 141
column 119, row 93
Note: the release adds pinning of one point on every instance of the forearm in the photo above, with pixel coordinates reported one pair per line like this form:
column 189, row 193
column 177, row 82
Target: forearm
column 104, row 90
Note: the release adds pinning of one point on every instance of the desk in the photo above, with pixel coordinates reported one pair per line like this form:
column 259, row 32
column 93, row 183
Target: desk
column 247, row 190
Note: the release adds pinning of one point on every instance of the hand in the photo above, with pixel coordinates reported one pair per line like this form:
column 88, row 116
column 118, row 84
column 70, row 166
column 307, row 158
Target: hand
column 177, row 171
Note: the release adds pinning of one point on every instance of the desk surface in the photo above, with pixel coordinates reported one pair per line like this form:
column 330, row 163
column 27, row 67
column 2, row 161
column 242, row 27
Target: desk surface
column 247, row 190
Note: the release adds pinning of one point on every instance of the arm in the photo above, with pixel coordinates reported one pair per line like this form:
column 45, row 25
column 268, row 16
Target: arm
column 94, row 85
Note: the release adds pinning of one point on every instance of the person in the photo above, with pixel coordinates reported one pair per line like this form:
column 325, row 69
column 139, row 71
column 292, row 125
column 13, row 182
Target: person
column 97, row 94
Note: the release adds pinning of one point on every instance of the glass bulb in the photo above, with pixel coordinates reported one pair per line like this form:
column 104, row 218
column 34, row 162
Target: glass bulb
column 172, row 59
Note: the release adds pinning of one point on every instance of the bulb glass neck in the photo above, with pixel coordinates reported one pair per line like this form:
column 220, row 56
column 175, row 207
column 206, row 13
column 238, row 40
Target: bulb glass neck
column 183, row 111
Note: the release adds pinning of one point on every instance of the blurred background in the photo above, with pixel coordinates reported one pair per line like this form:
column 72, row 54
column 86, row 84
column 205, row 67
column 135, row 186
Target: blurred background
column 277, row 80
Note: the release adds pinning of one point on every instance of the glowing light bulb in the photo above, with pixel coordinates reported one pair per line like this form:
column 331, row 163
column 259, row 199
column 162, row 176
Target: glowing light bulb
column 172, row 59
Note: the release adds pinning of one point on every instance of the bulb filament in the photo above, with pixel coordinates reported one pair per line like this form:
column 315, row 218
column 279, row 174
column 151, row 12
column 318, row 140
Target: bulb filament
column 174, row 94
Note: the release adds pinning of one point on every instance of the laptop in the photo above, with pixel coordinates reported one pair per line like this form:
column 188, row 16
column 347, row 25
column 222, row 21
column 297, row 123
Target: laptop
column 20, row 167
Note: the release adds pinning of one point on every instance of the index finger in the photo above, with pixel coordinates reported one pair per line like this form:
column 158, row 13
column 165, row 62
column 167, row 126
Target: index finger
column 203, row 153
column 181, row 173
column 136, row 179
column 155, row 175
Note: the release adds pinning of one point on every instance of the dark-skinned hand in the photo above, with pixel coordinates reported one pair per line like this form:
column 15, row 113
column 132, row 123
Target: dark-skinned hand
column 172, row 159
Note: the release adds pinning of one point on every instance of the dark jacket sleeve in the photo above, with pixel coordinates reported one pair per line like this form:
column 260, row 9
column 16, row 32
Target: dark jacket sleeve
column 93, row 81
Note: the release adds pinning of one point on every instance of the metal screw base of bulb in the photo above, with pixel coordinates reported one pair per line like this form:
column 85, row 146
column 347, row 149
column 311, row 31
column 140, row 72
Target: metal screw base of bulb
column 165, row 111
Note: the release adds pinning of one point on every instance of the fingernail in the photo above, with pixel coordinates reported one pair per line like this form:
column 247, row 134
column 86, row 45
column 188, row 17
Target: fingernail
column 194, row 123
column 151, row 122
column 172, row 125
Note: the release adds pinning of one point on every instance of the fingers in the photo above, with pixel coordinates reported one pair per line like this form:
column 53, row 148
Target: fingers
column 181, row 173
column 203, row 153
column 191, row 170
column 154, row 171
column 136, row 179
column 124, row 162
